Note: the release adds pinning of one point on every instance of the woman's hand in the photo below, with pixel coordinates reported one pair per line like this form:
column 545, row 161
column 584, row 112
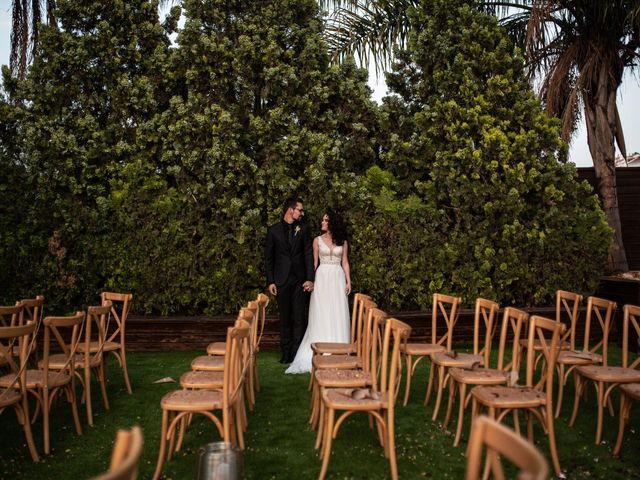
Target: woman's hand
column 348, row 289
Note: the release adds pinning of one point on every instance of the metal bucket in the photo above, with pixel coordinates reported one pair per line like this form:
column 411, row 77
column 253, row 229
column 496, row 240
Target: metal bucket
column 220, row 461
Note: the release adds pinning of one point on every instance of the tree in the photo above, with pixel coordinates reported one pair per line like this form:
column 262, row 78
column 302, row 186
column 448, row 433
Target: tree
column 474, row 186
column 579, row 49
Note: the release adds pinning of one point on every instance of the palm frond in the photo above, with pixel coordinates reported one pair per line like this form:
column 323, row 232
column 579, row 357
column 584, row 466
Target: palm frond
column 370, row 31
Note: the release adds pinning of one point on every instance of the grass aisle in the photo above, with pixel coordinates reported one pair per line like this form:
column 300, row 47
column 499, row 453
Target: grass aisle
column 279, row 443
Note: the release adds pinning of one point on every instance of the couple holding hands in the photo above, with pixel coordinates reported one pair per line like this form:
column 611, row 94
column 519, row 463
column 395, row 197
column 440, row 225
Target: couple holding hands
column 296, row 265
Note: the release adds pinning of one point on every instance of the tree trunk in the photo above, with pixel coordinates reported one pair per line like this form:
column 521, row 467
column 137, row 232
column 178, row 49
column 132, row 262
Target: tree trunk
column 600, row 119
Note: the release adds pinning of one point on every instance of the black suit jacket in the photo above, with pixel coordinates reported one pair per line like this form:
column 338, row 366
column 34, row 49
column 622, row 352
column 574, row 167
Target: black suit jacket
column 283, row 261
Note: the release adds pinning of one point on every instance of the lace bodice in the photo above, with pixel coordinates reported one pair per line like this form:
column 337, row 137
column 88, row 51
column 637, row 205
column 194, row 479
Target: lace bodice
column 328, row 255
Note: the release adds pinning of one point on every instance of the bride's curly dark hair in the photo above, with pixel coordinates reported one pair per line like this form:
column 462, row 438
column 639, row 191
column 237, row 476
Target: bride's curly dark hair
column 337, row 227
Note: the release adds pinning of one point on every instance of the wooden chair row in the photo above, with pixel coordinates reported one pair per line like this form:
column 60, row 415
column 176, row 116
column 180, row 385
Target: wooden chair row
column 222, row 381
column 74, row 346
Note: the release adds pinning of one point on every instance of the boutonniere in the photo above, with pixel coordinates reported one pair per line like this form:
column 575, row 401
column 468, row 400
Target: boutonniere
column 296, row 230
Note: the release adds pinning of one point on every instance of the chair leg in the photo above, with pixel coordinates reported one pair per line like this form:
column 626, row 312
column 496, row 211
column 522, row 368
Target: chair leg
column 45, row 420
column 123, row 360
column 552, row 441
column 87, row 395
column 462, row 393
column 255, row 373
column 328, row 437
column 391, row 446
column 102, row 379
column 600, row 392
column 22, row 413
column 163, row 445
column 452, row 394
column 625, row 407
column 407, row 385
column 579, row 386
column 74, row 406
column 239, row 426
column 320, row 433
column 430, row 386
column 440, row 374
column 561, row 381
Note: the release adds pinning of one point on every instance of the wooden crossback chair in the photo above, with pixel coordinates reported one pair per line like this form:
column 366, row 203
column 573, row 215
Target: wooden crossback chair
column 349, row 378
column 378, row 401
column 10, row 316
column 116, row 341
column 14, row 393
column 605, row 377
column 501, row 441
column 535, row 398
column 125, row 457
column 263, row 303
column 485, row 310
column 506, row 370
column 178, row 405
column 447, row 306
column 569, row 359
column 46, row 384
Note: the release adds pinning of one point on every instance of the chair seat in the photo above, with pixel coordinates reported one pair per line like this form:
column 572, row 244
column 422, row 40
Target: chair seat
column 578, row 357
column 421, row 348
column 208, row 363
column 537, row 344
column 95, row 346
column 610, row 374
column 336, row 362
column 509, row 397
column 202, row 379
column 59, row 361
column 333, row 348
column 9, row 397
column 632, row 390
column 456, row 359
column 342, row 399
column 479, row 376
column 343, row 378
column 217, row 348
column 35, row 379
column 191, row 400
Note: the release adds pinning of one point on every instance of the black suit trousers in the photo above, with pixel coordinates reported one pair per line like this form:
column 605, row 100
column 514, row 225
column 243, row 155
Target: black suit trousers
column 291, row 300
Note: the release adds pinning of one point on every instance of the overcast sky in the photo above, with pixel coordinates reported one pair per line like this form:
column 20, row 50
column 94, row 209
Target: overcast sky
column 628, row 99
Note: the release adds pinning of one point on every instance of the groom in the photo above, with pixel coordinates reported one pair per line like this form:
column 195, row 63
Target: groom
column 290, row 273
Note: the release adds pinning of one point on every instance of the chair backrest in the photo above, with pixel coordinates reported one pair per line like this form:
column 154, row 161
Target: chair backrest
column 254, row 308
column 372, row 340
column 395, row 333
column 486, row 311
column 23, row 335
column 235, row 361
column 121, row 304
column 568, row 303
column 602, row 310
column 55, row 326
column 513, row 320
column 263, row 301
column 11, row 316
column 631, row 317
column 547, row 332
column 448, row 307
column 125, row 457
column 356, row 313
column 365, row 305
column 95, row 330
column 33, row 308
column 500, row 441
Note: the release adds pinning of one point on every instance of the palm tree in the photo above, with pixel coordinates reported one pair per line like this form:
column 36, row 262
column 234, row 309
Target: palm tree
column 578, row 49
column 26, row 18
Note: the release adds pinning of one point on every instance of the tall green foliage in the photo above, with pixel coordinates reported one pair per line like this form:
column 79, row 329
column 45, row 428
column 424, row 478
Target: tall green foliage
column 484, row 202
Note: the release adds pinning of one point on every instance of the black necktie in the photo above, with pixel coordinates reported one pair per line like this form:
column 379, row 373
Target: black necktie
column 291, row 234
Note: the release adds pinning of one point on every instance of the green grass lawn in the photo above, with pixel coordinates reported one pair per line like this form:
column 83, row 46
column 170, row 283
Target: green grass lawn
column 278, row 442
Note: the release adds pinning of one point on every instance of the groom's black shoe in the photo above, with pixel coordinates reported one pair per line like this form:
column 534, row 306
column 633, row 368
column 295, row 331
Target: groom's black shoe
column 284, row 360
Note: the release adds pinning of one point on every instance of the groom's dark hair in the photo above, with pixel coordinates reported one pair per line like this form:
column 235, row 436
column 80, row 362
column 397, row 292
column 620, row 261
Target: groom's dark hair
column 290, row 202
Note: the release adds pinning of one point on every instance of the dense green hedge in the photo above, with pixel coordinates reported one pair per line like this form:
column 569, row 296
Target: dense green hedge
column 132, row 163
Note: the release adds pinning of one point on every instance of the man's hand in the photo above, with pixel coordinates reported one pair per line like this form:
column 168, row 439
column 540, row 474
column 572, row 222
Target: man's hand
column 273, row 290
column 307, row 286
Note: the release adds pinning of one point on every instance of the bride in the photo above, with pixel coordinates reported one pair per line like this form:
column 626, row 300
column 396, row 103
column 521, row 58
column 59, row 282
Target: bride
column 329, row 308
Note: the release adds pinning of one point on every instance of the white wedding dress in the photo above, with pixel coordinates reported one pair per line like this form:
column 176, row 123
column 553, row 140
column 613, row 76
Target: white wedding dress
column 328, row 309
